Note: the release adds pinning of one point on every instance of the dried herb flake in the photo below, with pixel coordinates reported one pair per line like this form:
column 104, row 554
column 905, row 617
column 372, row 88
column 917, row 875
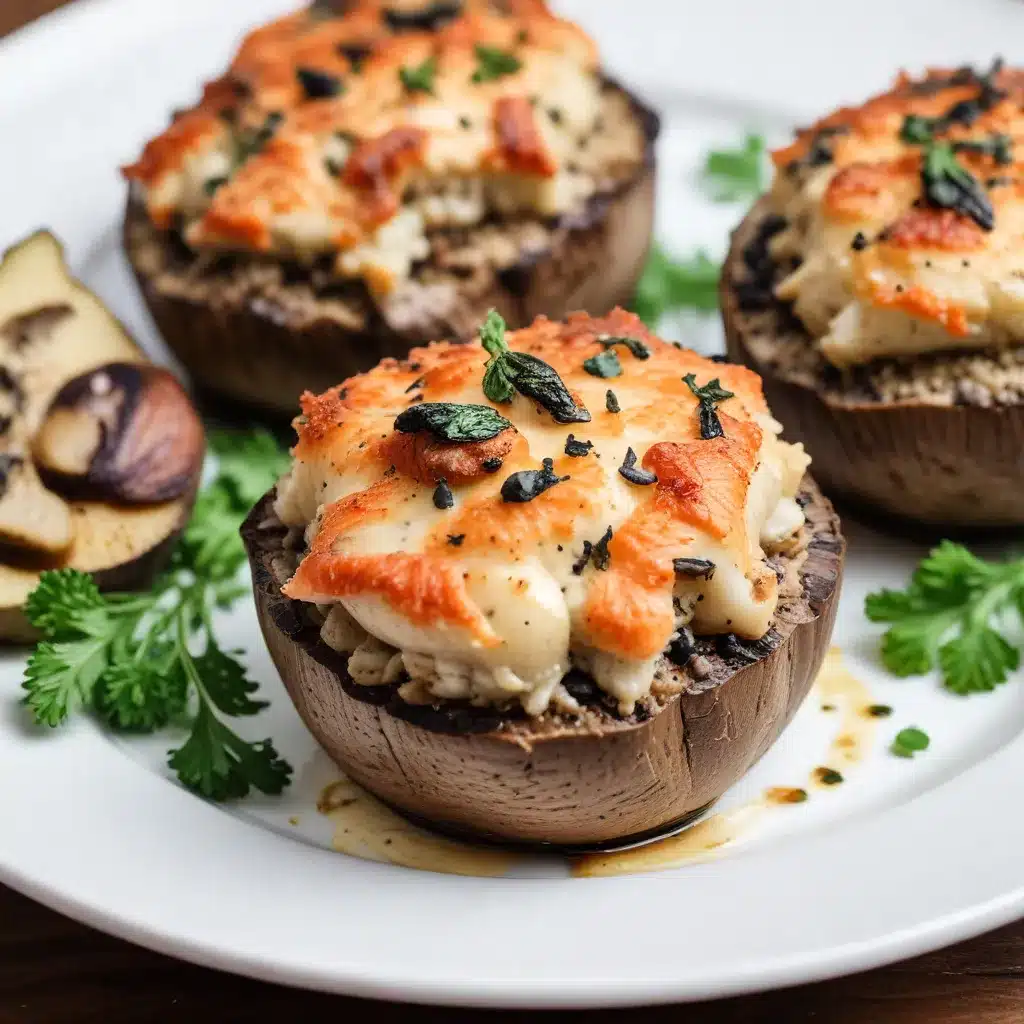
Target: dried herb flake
column 694, row 568
column 577, row 449
column 527, row 484
column 629, row 471
column 443, row 497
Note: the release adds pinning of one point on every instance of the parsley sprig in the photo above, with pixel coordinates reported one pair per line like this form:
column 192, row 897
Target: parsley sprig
column 668, row 285
column 143, row 661
column 731, row 175
column 953, row 614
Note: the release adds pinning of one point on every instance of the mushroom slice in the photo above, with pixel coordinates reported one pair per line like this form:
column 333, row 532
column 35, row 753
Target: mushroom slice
column 31, row 517
column 123, row 432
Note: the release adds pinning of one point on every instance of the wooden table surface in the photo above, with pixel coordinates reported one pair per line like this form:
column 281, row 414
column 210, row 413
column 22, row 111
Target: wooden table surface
column 54, row 971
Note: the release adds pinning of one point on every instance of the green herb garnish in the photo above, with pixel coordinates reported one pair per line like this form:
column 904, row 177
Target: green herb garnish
column 319, row 85
column 952, row 614
column 668, row 285
column 909, row 742
column 507, row 372
column 493, row 63
column 451, row 422
column 604, row 364
column 421, row 77
column 733, row 174
column 708, row 397
column 948, row 184
column 828, row 776
column 142, row 661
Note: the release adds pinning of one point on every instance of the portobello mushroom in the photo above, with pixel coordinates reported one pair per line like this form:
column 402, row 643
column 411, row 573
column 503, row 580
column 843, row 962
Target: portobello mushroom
column 548, row 638
column 260, row 323
column 601, row 779
column 104, row 491
column 909, row 399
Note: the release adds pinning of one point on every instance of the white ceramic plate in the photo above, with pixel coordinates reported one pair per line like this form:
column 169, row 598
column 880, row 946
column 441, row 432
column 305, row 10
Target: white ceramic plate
column 903, row 857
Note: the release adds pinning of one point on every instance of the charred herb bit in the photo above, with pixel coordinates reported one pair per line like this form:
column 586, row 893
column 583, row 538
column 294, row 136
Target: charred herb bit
column 629, row 471
column 429, row 18
column 493, row 63
column 637, row 348
column 577, row 449
column 319, row 85
column 507, row 372
column 828, row 776
column 212, row 184
column 682, row 647
column 450, row 422
column 271, row 123
column 527, row 484
column 909, row 742
column 443, row 497
column 611, row 403
column 820, row 151
column 419, row 78
column 878, row 711
column 416, row 385
column 708, row 396
column 492, row 465
column 694, row 568
column 456, row 539
column 604, row 364
column 355, row 54
column 601, row 557
column 584, row 560
column 860, row 242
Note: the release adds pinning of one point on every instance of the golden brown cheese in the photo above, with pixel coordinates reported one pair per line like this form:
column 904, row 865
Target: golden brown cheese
column 887, row 266
column 494, row 600
column 351, row 135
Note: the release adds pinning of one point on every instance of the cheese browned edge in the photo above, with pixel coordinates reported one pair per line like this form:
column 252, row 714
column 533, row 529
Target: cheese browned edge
column 883, row 271
column 363, row 178
column 491, row 600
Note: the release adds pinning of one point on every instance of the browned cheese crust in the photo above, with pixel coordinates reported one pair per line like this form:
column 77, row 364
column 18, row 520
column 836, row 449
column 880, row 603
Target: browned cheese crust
column 886, row 437
column 289, row 232
column 591, row 780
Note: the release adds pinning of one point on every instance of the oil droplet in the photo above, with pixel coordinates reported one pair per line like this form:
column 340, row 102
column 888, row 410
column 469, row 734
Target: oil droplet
column 837, row 685
column 366, row 828
column 785, row 795
column 700, row 842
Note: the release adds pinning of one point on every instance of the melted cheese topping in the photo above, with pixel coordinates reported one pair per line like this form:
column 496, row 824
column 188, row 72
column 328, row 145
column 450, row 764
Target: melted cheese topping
column 922, row 278
column 489, row 599
column 271, row 162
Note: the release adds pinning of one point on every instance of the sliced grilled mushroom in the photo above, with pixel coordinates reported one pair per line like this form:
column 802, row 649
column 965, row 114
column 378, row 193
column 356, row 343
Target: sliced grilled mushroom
column 123, row 432
column 61, row 349
column 31, row 517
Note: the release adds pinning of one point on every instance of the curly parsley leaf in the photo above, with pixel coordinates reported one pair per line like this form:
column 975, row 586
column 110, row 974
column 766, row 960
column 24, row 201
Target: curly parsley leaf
column 127, row 657
column 950, row 615
column 731, row 175
column 220, row 765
